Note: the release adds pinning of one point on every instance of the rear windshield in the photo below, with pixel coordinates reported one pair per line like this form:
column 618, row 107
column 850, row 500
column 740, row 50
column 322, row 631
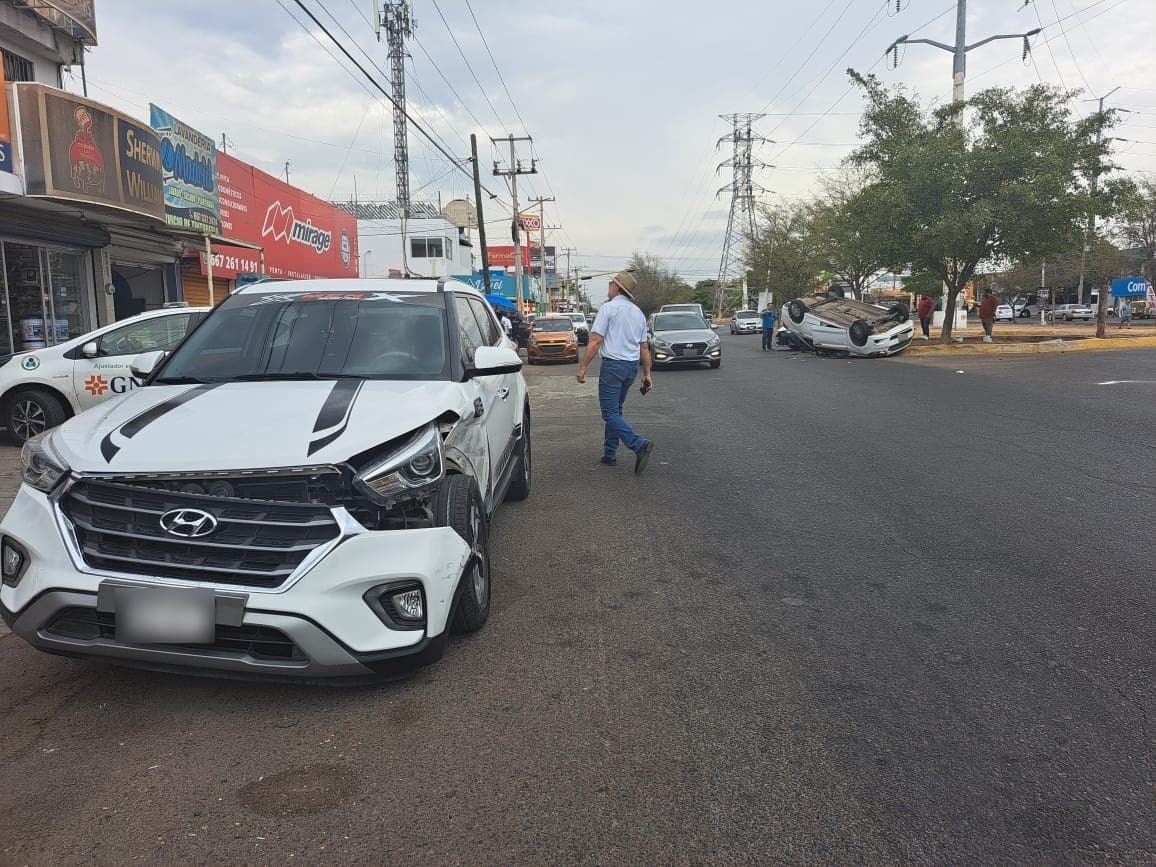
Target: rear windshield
column 553, row 325
column 316, row 335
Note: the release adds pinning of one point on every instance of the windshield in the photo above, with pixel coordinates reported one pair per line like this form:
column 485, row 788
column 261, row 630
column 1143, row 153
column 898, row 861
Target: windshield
column 679, row 308
column 577, row 317
column 678, row 322
column 746, row 314
column 316, row 335
column 553, row 325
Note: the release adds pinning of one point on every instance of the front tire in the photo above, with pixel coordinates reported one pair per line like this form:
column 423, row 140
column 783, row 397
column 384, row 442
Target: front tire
column 523, row 477
column 714, row 365
column 31, row 412
column 460, row 507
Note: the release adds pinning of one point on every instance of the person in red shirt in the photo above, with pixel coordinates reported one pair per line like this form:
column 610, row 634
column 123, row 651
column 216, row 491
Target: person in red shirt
column 987, row 313
column 925, row 308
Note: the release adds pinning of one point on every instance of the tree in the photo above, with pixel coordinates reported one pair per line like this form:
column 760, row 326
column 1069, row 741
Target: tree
column 1008, row 184
column 704, row 293
column 657, row 285
column 787, row 253
column 1138, row 222
column 853, row 227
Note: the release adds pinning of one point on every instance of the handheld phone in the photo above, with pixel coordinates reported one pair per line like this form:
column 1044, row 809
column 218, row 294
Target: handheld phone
column 645, row 387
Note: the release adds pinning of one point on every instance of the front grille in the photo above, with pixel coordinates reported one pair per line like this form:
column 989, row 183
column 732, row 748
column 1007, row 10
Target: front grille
column 256, row 544
column 551, row 350
column 322, row 486
column 689, row 348
column 260, row 642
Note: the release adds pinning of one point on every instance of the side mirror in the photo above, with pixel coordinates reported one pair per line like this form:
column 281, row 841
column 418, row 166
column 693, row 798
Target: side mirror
column 90, row 349
column 143, row 365
column 494, row 361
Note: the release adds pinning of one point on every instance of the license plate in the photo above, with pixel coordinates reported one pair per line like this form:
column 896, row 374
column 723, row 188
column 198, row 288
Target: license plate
column 164, row 615
column 691, row 350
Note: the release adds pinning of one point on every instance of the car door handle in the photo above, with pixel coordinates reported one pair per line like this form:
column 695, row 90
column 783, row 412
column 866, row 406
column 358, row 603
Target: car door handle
column 503, row 393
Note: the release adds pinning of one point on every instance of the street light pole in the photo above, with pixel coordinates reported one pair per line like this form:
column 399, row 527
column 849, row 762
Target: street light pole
column 1090, row 231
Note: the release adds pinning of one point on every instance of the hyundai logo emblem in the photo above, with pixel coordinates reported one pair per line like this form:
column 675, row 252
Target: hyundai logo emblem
column 188, row 523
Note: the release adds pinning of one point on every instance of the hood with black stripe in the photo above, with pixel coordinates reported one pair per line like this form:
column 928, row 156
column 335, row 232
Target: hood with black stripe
column 249, row 425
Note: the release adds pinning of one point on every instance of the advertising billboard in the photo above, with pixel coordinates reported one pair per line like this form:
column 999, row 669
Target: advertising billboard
column 189, row 169
column 302, row 236
column 82, row 151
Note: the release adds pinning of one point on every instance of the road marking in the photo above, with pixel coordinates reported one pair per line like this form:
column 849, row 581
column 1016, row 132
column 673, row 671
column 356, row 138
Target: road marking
column 1128, row 382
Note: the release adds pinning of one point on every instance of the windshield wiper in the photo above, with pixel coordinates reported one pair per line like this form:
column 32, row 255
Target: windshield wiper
column 181, row 380
column 303, row 375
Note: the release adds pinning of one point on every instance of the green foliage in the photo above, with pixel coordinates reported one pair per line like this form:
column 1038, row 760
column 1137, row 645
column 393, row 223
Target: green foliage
column 786, row 255
column 1137, row 216
column 657, row 285
column 1010, row 185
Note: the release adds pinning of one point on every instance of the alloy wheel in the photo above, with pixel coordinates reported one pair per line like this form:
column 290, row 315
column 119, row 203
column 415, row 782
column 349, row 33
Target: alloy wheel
column 479, row 577
column 28, row 419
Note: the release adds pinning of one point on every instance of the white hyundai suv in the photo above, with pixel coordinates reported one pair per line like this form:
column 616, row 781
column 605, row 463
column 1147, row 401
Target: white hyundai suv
column 301, row 490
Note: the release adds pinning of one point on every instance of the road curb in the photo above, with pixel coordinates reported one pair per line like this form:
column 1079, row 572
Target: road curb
column 1082, row 344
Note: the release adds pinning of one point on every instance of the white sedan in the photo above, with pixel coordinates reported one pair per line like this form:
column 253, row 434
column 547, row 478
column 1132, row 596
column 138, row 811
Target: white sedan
column 829, row 323
column 1004, row 312
column 42, row 388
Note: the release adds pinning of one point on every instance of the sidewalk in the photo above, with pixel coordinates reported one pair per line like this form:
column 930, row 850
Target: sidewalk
column 1020, row 338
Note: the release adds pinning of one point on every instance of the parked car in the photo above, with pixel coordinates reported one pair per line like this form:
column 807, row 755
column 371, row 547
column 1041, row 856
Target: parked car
column 683, row 338
column 1068, row 312
column 746, row 322
column 302, row 489
column 684, row 308
column 581, row 327
column 828, row 323
column 1004, row 312
column 552, row 338
column 41, row 388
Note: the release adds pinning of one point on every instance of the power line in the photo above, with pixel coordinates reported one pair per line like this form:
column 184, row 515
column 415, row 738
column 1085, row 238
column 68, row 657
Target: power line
column 416, row 126
column 501, row 78
column 1068, row 42
column 469, row 66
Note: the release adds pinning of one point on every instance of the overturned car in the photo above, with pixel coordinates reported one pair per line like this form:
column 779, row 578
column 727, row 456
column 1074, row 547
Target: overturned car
column 829, row 323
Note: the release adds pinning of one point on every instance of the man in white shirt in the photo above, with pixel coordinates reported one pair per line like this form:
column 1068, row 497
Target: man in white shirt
column 507, row 325
column 619, row 336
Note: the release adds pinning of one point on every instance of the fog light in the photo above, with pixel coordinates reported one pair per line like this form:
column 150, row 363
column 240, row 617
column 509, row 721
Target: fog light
column 660, row 355
column 13, row 561
column 409, row 605
column 399, row 604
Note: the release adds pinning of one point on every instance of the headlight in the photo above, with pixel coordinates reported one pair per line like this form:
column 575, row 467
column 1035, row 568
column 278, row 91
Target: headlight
column 42, row 467
column 714, row 341
column 573, row 338
column 659, row 343
column 416, row 464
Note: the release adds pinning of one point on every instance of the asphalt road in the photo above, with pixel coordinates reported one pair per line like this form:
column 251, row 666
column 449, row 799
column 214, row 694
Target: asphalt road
column 855, row 612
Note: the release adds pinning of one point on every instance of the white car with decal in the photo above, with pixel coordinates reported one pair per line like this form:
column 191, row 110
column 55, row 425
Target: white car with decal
column 41, row 388
column 301, row 490
column 830, row 323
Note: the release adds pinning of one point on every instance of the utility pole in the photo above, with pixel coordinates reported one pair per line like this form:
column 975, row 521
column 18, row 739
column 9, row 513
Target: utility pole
column 397, row 18
column 286, row 171
column 512, row 170
column 541, row 203
column 959, row 53
column 741, row 222
column 480, row 218
column 1090, row 231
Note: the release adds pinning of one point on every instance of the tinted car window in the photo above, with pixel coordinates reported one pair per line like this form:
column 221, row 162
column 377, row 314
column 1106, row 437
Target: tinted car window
column 470, row 332
column 491, row 330
column 161, row 333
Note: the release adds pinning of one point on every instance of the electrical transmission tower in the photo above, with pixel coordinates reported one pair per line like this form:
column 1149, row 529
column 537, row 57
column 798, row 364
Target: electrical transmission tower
column 741, row 222
column 397, row 19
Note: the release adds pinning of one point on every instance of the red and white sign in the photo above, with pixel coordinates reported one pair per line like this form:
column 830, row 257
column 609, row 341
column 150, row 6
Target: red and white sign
column 531, row 222
column 503, row 257
column 302, row 236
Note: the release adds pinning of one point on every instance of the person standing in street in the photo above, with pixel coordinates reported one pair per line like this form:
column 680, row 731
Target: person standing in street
column 619, row 336
column 769, row 319
column 925, row 309
column 987, row 309
column 1125, row 312
column 507, row 325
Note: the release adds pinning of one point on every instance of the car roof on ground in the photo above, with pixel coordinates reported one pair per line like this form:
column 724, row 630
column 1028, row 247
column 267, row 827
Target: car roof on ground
column 365, row 284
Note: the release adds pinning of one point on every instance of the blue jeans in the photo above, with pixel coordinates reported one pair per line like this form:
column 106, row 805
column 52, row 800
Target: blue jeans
column 614, row 381
column 768, row 337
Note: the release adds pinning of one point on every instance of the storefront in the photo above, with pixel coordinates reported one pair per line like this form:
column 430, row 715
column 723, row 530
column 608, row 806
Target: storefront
column 86, row 244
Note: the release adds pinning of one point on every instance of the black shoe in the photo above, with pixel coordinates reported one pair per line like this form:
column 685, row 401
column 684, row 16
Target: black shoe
column 642, row 456
column 609, row 461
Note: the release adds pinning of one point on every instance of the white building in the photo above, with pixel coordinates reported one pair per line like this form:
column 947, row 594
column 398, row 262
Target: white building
column 428, row 245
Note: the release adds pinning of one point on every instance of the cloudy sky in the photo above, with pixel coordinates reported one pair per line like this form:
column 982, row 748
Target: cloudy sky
column 622, row 97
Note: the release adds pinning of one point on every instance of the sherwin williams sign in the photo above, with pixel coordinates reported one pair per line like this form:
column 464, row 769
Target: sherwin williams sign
column 82, row 151
column 189, row 167
column 302, row 236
